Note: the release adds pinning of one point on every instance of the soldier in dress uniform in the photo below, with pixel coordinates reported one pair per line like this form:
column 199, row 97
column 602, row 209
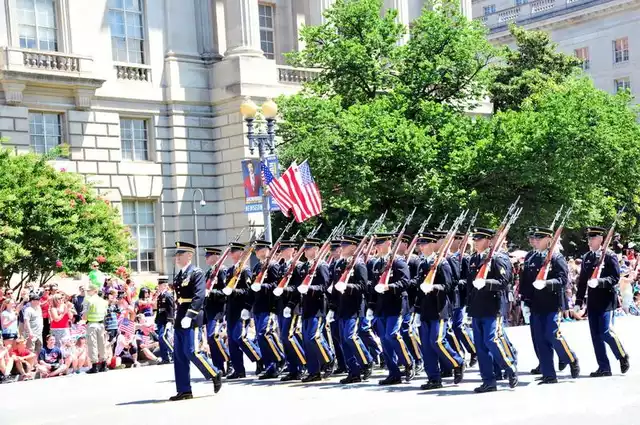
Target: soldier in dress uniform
column 433, row 308
column 238, row 315
column 288, row 311
column 462, row 332
column 264, row 311
column 190, row 289
column 165, row 318
column 314, row 304
column 389, row 311
column 409, row 330
column 547, row 302
column 214, row 309
column 332, row 329
column 367, row 320
column 357, row 358
column 485, row 297
column 528, row 273
column 602, row 301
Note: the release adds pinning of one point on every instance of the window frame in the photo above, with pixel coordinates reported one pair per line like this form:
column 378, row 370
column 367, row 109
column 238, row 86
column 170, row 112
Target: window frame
column 626, row 81
column 61, row 122
column 626, row 49
column 63, row 28
column 586, row 61
column 145, row 35
column 148, row 121
column 491, row 7
column 272, row 30
column 138, row 257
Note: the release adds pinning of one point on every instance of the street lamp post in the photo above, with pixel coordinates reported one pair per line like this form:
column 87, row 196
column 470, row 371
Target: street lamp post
column 195, row 220
column 262, row 141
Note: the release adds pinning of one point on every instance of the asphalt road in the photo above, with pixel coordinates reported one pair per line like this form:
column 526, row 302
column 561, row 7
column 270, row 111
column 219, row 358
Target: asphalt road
column 138, row 396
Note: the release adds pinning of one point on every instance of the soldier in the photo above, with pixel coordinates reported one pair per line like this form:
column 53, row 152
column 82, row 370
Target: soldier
column 190, row 290
column 165, row 319
column 264, row 309
column 601, row 302
column 409, row 330
column 528, row 274
column 214, row 310
column 461, row 331
column 484, row 307
column 547, row 302
column 389, row 303
column 433, row 307
column 289, row 315
column 319, row 355
column 366, row 317
column 332, row 328
column 357, row 358
column 238, row 314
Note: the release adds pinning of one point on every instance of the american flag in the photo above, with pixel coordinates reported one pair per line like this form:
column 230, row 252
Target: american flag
column 78, row 330
column 304, row 191
column 278, row 189
column 126, row 326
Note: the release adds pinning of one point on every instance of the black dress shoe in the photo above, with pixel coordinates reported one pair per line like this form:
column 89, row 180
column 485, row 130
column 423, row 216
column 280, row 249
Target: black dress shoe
column 409, row 373
column 447, row 373
column 217, row 383
column 383, row 363
column 94, row 368
column 458, row 374
column 237, row 375
column 270, row 374
column 103, row 367
column 181, row 396
column 485, row 389
column 473, row 360
column 500, row 376
column 431, row 385
column 291, row 377
column 419, row 367
column 259, row 367
column 600, row 373
column 548, row 380
column 315, row 377
column 624, row 364
column 367, row 371
column 575, row 369
column 536, row 370
column 328, row 368
column 339, row 371
column 562, row 366
column 513, row 379
column 391, row 380
column 351, row 379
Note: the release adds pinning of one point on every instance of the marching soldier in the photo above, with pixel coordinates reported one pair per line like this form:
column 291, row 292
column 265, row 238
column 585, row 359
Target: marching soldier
column 433, row 306
column 366, row 317
column 319, row 355
column 332, row 328
column 357, row 358
column 190, row 290
column 238, row 314
column 165, row 319
column 547, row 301
column 485, row 296
column 528, row 275
column 601, row 302
column 461, row 331
column 214, row 310
column 263, row 311
column 389, row 303
column 410, row 331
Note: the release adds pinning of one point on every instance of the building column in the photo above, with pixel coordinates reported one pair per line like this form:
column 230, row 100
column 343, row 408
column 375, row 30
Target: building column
column 316, row 9
column 242, row 28
column 466, row 8
column 402, row 6
column 207, row 37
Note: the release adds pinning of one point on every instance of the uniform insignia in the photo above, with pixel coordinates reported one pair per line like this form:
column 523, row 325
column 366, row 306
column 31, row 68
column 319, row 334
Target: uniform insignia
column 185, row 282
column 503, row 272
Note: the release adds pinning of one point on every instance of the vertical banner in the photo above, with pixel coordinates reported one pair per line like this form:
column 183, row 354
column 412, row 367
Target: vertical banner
column 253, row 184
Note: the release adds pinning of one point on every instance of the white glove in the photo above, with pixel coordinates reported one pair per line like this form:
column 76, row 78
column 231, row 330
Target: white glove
column 416, row 320
column 277, row 291
column 245, row 315
column 185, row 322
column 286, row 312
column 593, row 283
column 169, row 326
column 340, row 286
column 369, row 314
column 227, row 291
column 511, row 297
column 330, row 316
column 426, row 287
column 380, row 288
column 479, row 283
column 539, row 284
column 330, row 289
column 577, row 308
column 303, row 289
column 256, row 287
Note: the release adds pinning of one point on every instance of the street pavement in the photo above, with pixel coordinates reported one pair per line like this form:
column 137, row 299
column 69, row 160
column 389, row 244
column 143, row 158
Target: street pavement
column 138, row 396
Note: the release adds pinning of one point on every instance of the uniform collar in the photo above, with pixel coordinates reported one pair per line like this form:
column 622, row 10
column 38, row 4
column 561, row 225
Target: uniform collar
column 185, row 268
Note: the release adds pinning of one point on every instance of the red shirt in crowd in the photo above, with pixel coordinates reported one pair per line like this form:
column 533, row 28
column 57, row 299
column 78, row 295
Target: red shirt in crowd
column 63, row 323
column 44, row 305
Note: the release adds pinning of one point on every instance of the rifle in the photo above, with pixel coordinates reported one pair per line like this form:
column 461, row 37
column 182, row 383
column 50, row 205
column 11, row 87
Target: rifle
column 544, row 270
column 263, row 270
column 284, row 281
column 313, row 232
column 465, row 240
column 360, row 229
column 414, row 241
column 221, row 260
column 383, row 282
column 246, row 255
column 607, row 241
column 322, row 253
column 557, row 216
column 443, row 222
column 442, row 253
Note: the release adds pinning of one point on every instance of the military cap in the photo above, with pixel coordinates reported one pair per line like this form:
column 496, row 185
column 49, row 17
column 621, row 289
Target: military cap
column 289, row 244
column 162, row 280
column 211, row 250
column 185, row 247
column 405, row 237
column 312, row 242
column 439, row 233
column 350, row 240
column 383, row 237
column 482, row 233
column 460, row 235
column 236, row 246
column 595, row 231
column 426, row 237
column 540, row 232
column 261, row 244
column 335, row 243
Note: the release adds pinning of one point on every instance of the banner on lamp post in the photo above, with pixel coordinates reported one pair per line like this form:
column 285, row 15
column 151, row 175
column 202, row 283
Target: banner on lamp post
column 252, row 181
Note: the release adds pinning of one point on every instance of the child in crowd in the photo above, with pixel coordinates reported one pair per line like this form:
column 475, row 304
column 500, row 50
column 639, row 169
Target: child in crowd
column 24, row 359
column 51, row 361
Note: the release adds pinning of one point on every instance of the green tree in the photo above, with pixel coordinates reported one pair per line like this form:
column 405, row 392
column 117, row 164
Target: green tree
column 529, row 68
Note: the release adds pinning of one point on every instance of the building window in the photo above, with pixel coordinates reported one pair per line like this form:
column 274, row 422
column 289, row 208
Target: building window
column 583, row 54
column 139, row 216
column 37, row 24
column 133, row 134
column 266, row 31
column 622, row 84
column 488, row 10
column 521, row 2
column 127, row 30
column 621, row 50
column 45, row 131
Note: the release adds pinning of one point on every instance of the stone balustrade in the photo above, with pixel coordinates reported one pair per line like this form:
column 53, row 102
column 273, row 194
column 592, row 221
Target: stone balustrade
column 133, row 72
column 51, row 61
column 537, row 9
column 292, row 75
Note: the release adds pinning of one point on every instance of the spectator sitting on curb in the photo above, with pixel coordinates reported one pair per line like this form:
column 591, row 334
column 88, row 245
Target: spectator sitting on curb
column 24, row 359
column 50, row 361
